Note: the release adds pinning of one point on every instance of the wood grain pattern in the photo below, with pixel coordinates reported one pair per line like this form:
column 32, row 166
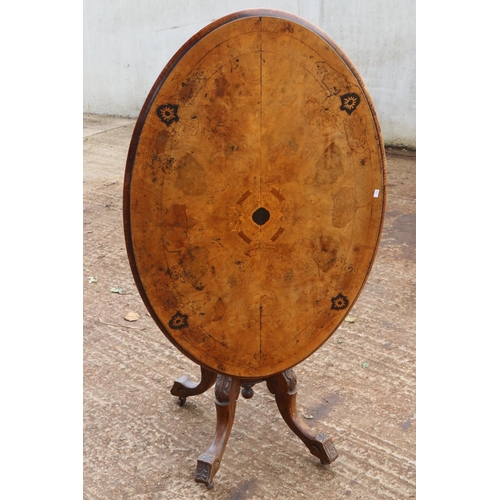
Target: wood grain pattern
column 254, row 194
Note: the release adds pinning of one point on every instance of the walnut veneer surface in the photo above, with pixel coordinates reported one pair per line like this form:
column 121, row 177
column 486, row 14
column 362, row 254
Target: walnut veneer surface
column 254, row 193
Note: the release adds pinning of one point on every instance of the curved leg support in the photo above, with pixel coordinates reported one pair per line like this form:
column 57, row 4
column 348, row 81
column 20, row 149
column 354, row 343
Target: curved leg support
column 284, row 388
column 184, row 387
column 227, row 390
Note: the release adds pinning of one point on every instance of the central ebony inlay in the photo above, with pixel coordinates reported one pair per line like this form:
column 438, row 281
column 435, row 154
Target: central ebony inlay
column 261, row 216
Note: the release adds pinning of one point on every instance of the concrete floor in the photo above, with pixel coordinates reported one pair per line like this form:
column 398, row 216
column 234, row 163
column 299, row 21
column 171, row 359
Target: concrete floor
column 359, row 387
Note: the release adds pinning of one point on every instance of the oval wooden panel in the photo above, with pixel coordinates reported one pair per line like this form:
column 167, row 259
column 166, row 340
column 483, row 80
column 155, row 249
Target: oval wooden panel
column 254, row 193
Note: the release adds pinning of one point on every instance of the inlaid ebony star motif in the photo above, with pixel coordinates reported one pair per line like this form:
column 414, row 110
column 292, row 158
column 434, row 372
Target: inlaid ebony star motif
column 178, row 321
column 168, row 113
column 339, row 302
column 349, row 102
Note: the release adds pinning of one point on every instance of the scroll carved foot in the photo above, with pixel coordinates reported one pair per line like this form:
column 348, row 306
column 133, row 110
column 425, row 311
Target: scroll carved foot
column 227, row 390
column 284, row 388
column 184, row 387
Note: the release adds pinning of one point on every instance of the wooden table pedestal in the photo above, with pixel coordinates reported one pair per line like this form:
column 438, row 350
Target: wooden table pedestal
column 227, row 391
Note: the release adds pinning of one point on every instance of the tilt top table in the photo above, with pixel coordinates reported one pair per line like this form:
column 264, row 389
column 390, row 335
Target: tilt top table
column 253, row 207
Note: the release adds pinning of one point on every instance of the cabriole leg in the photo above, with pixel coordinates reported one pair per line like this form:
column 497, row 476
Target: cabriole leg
column 284, row 388
column 184, row 387
column 227, row 390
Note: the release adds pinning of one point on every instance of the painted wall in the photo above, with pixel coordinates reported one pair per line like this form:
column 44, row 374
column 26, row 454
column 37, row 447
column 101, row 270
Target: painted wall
column 127, row 43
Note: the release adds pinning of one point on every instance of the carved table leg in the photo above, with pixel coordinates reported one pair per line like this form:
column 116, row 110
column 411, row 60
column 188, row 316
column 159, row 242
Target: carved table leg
column 184, row 387
column 227, row 390
column 284, row 388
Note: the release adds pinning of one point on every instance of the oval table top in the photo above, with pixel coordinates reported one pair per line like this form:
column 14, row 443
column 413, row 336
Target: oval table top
column 254, row 193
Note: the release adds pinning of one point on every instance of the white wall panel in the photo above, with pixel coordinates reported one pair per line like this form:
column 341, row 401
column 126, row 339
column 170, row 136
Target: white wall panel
column 128, row 42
